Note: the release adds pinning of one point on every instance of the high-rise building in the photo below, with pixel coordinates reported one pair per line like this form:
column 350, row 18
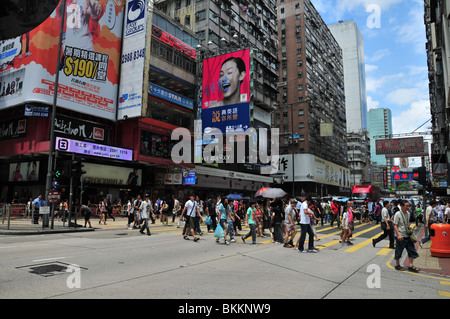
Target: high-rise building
column 380, row 125
column 312, row 101
column 350, row 40
column 438, row 54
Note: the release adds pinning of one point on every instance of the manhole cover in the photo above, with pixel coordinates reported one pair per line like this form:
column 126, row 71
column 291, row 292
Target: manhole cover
column 48, row 269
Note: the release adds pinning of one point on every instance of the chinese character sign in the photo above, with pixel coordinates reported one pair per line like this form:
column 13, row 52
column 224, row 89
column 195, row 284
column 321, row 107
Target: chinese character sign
column 88, row 65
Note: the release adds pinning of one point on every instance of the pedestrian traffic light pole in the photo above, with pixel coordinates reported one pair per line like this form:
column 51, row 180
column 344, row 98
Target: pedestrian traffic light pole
column 53, row 115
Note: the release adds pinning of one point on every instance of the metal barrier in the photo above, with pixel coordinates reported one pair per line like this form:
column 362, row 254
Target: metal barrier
column 117, row 210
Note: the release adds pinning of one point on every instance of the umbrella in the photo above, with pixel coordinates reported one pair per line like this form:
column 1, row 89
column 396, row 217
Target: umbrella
column 273, row 193
column 346, row 199
column 259, row 192
column 234, row 196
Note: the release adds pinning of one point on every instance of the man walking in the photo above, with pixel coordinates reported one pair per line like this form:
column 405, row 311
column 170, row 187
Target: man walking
column 305, row 226
column 289, row 222
column 401, row 227
column 191, row 210
column 386, row 225
column 145, row 209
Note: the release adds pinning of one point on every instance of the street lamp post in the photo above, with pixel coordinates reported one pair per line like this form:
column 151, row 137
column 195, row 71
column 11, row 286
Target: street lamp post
column 53, row 116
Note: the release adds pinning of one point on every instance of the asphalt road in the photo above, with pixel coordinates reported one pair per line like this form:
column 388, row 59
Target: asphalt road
column 123, row 264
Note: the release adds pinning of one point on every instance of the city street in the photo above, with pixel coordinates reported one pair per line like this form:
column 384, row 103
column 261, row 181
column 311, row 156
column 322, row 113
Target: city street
column 113, row 262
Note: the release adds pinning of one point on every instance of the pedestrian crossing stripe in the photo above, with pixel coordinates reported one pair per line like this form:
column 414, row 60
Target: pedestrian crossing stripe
column 384, row 251
column 444, row 293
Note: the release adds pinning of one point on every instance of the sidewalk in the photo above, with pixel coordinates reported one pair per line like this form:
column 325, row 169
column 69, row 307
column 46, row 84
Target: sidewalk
column 427, row 263
column 23, row 226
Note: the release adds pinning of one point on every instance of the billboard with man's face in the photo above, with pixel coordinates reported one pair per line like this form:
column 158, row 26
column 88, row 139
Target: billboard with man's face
column 226, row 92
column 88, row 66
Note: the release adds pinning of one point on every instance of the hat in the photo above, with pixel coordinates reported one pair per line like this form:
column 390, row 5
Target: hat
column 294, row 201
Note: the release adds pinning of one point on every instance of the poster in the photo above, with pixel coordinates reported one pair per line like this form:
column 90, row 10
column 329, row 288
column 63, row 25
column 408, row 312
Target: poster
column 133, row 60
column 88, row 66
column 226, row 92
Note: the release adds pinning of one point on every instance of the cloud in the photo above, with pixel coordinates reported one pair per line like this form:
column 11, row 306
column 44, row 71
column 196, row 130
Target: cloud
column 371, row 103
column 371, row 67
column 412, row 32
column 377, row 55
column 405, row 96
column 409, row 120
column 342, row 8
column 375, row 83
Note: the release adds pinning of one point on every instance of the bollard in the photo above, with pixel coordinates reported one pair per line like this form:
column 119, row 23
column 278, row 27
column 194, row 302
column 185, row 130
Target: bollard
column 440, row 240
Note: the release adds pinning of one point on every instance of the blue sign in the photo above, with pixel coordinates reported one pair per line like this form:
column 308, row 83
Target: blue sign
column 228, row 118
column 170, row 96
column 404, row 177
column 38, row 111
column 188, row 178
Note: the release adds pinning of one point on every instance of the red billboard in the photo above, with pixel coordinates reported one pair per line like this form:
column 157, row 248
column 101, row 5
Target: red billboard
column 226, row 79
column 402, row 147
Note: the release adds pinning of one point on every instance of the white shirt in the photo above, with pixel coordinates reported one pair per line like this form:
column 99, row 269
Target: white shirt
column 304, row 218
column 144, row 209
column 191, row 208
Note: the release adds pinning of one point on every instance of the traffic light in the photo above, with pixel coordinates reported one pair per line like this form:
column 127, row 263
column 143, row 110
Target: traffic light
column 77, row 167
column 420, row 175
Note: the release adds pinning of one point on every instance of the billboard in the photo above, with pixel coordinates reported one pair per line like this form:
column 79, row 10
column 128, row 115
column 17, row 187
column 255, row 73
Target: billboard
column 24, row 171
column 131, row 98
column 402, row 147
column 88, row 66
column 92, row 149
column 226, row 92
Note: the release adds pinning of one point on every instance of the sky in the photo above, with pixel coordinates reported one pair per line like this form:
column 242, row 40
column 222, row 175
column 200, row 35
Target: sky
column 395, row 55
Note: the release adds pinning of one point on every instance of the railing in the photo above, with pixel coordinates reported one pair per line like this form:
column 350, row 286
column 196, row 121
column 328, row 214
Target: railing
column 17, row 216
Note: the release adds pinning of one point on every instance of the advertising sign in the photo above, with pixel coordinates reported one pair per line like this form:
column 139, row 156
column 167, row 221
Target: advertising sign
column 310, row 168
column 402, row 147
column 188, row 178
column 85, row 148
column 82, row 130
column 112, row 175
column 88, row 66
column 133, row 59
column 24, row 171
column 170, row 96
column 226, row 91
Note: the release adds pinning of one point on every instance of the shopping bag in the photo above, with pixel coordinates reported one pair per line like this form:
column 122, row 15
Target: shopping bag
column 219, row 232
column 208, row 220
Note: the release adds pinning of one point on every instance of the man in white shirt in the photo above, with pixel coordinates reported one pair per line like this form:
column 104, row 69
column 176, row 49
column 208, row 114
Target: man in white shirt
column 191, row 209
column 305, row 226
column 145, row 210
column 387, row 226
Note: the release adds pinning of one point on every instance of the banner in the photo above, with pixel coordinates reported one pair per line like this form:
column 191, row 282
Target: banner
column 226, row 91
column 133, row 60
column 88, row 65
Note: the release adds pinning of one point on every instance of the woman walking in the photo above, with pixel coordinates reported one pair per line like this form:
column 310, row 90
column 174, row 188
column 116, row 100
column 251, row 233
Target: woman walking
column 251, row 223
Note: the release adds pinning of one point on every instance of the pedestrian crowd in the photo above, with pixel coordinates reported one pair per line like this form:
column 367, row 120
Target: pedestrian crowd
column 226, row 218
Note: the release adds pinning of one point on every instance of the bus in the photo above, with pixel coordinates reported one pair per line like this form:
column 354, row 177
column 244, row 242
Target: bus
column 365, row 193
